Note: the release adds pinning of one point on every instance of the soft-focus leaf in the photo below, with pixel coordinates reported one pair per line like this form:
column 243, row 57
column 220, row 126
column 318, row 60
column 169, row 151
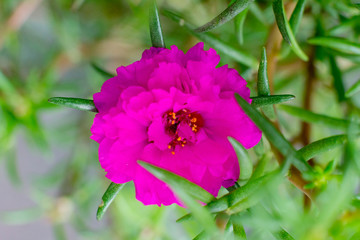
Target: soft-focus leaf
column 179, row 182
column 107, row 198
column 315, row 118
column 273, row 135
column 338, row 79
column 5, row 86
column 102, row 71
column 215, row 42
column 76, row 103
column 229, row 13
column 283, row 235
column 322, row 145
column 239, row 25
column 269, row 100
column 260, row 167
column 156, row 35
column 345, row 26
column 285, row 29
column 239, row 231
column 12, row 168
column 353, row 89
column 244, row 159
column 339, row 44
column 188, row 192
column 236, row 196
column 21, row 216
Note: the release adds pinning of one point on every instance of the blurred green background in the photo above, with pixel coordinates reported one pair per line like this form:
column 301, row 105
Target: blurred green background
column 50, row 180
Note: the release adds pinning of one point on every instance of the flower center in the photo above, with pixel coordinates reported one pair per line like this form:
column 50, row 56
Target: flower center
column 181, row 125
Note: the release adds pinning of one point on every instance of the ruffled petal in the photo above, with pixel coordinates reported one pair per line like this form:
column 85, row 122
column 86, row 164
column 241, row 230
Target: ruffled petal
column 197, row 53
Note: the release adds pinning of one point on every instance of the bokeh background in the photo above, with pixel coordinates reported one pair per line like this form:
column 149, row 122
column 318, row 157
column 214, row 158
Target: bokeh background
column 50, row 179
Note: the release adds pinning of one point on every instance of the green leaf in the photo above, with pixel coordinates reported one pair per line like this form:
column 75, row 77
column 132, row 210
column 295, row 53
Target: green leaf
column 215, row 42
column 297, row 15
column 107, row 198
column 345, row 26
column 244, row 159
column 338, row 79
column 187, row 192
column 156, row 35
column 21, row 217
column 260, row 167
column 283, row 235
column 263, row 88
column 315, row 118
column 239, row 194
column 236, row 196
column 285, row 29
column 353, row 89
column 178, row 182
column 340, row 44
column 6, row 87
column 229, row 13
column 76, row 103
column 294, row 22
column 323, row 145
column 102, row 71
column 263, row 82
column 239, row 231
column 12, row 167
column 239, row 25
column 273, row 135
column 269, row 100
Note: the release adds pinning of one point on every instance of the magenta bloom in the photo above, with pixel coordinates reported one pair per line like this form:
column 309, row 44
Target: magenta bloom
column 175, row 111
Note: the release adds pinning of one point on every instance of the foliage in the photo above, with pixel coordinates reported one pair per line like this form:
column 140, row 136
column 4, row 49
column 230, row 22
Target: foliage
column 300, row 182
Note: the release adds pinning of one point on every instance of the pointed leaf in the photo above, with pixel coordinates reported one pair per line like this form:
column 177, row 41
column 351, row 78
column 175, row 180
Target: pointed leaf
column 285, row 29
column 187, row 192
column 236, row 196
column 353, row 89
column 156, row 35
column 269, row 100
column 229, row 13
column 179, row 182
column 215, row 42
column 339, row 44
column 76, row 103
column 263, row 88
column 244, row 159
column 297, row 15
column 201, row 214
column 107, row 198
column 273, row 135
column 320, row 146
column 315, row 118
column 102, row 71
column 263, row 82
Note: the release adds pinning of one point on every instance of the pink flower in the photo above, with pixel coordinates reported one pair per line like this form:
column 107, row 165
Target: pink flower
column 175, row 111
